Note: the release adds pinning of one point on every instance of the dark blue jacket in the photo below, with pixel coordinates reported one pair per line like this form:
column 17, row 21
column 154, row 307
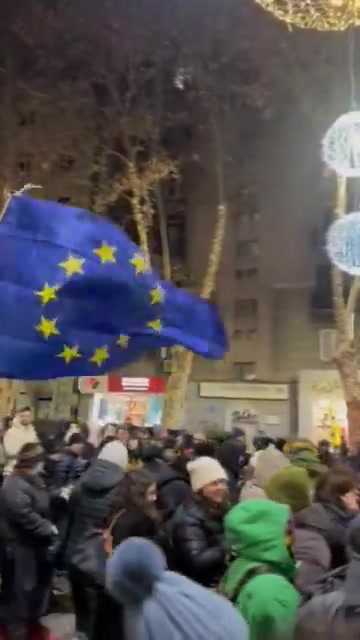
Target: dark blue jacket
column 70, row 468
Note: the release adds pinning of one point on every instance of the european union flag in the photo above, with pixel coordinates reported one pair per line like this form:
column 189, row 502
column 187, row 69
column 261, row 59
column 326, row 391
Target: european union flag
column 77, row 298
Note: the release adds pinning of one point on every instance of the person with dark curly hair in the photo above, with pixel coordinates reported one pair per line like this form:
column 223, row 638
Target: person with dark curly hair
column 134, row 514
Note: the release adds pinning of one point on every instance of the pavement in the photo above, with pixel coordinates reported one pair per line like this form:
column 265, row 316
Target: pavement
column 61, row 624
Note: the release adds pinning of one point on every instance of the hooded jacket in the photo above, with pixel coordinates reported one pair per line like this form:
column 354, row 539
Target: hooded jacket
column 172, row 488
column 342, row 604
column 332, row 523
column 92, row 500
column 256, row 532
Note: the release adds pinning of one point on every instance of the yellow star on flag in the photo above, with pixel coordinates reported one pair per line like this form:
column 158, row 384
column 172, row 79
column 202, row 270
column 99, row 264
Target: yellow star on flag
column 157, row 295
column 69, row 353
column 106, row 253
column 101, row 354
column 72, row 265
column 47, row 327
column 123, row 341
column 138, row 261
column 155, row 325
column 47, row 293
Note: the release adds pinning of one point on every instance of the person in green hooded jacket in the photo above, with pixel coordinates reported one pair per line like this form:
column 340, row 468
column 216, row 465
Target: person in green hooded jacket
column 259, row 578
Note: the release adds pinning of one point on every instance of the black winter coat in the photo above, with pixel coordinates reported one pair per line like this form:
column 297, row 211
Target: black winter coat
column 197, row 541
column 26, row 508
column 70, row 468
column 173, row 489
column 92, row 501
column 28, row 567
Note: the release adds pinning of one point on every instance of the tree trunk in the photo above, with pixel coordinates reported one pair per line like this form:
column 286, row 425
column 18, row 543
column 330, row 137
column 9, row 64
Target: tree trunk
column 182, row 360
column 8, row 391
column 353, row 417
column 346, row 358
column 176, row 386
column 138, row 213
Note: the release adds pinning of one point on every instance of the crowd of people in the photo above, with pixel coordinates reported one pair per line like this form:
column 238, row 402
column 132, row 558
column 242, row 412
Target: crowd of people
column 177, row 536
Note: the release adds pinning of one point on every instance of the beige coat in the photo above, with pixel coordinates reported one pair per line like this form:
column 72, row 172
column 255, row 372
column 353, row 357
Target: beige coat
column 14, row 440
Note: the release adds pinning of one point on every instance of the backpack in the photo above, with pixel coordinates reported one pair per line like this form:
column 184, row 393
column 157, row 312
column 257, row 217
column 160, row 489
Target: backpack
column 329, row 582
column 92, row 552
column 260, row 570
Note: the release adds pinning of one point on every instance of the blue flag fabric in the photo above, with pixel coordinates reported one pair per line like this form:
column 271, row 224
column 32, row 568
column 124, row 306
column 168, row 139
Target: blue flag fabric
column 77, row 299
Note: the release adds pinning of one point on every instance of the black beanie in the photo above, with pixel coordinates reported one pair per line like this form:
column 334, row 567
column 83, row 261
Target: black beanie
column 29, row 455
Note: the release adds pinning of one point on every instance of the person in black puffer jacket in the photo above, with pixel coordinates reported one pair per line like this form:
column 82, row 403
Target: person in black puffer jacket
column 90, row 506
column 31, row 544
column 172, row 488
column 197, row 527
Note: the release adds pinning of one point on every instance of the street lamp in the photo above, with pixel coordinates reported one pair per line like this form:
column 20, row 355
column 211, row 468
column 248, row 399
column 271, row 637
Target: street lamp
column 341, row 145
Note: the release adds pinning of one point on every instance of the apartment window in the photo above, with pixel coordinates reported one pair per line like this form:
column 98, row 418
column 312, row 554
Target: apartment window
column 177, row 241
column 244, row 334
column 248, row 218
column 247, row 249
column 25, row 164
column 247, row 274
column 245, row 370
column 26, row 119
column 66, row 162
column 246, row 307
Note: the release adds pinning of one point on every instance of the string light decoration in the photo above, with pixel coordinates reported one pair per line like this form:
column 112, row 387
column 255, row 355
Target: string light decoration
column 343, row 243
column 341, row 145
column 322, row 15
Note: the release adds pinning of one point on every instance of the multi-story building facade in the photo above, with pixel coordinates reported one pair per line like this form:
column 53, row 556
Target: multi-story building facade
column 273, row 285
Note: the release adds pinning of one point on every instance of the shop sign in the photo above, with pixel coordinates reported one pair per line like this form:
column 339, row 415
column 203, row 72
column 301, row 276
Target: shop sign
column 326, row 386
column 120, row 384
column 117, row 384
column 244, row 390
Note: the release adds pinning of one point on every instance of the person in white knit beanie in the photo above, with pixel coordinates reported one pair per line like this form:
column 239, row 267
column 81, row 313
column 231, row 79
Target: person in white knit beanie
column 197, row 527
column 205, row 471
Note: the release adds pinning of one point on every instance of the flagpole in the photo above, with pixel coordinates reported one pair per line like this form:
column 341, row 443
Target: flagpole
column 10, row 194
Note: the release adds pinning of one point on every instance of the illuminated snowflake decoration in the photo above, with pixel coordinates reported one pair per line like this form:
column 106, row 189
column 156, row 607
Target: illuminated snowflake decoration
column 343, row 243
column 322, row 15
column 341, row 145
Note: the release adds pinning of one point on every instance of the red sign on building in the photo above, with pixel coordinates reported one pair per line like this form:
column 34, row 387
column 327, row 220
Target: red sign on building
column 121, row 384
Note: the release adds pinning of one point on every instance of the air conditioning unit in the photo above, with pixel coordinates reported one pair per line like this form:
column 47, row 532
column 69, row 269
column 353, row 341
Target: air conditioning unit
column 327, row 344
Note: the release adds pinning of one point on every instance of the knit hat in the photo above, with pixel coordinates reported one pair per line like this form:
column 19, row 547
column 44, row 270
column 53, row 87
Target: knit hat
column 308, row 460
column 116, row 453
column 161, row 604
column 29, row 455
column 204, row 471
column 290, row 486
column 299, row 444
column 268, row 462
